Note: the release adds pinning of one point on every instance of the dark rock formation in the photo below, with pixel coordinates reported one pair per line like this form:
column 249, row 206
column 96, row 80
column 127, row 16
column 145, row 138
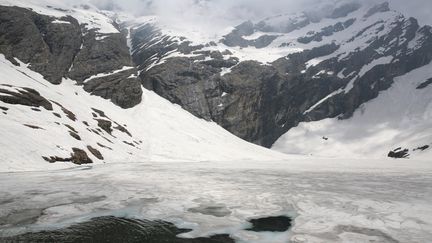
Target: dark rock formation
column 53, row 159
column 95, row 152
column 75, row 135
column 23, row 96
column 100, row 55
column 107, row 54
column 399, row 153
column 105, row 125
column 32, row 38
column 123, row 88
column 422, row 148
column 33, row 126
column 425, row 84
column 69, row 114
column 79, row 157
column 122, row 129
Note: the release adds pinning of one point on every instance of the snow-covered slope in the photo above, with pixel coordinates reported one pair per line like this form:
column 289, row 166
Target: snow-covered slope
column 400, row 117
column 159, row 130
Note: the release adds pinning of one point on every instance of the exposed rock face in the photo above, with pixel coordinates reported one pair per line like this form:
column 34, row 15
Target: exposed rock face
column 192, row 85
column 123, row 88
column 48, row 46
column 100, row 54
column 107, row 54
column 59, row 48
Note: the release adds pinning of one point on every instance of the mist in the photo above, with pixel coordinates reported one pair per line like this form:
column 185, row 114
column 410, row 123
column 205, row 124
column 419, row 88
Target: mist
column 233, row 11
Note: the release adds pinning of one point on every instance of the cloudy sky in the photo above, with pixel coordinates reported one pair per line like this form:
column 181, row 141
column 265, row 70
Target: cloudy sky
column 231, row 10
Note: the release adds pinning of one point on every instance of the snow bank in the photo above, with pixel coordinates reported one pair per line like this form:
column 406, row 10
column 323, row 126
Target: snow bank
column 399, row 117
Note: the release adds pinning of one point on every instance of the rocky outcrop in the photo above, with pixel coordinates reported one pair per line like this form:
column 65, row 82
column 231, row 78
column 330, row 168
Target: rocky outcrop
column 122, row 88
column 106, row 55
column 23, row 96
column 399, row 153
column 80, row 157
column 100, row 54
column 191, row 84
column 95, row 152
column 47, row 43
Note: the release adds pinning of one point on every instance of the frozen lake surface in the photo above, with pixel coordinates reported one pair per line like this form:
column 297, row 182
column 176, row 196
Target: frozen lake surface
column 328, row 200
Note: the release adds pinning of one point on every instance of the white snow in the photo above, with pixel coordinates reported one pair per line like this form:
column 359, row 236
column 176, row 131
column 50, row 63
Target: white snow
column 100, row 75
column 399, row 117
column 376, row 62
column 313, row 62
column 60, row 22
column 323, row 100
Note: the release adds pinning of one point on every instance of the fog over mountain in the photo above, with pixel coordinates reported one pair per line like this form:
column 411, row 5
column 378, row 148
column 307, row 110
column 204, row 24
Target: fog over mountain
column 246, row 9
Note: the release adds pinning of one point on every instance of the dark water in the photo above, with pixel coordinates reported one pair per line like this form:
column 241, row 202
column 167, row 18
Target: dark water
column 112, row 229
column 271, row 224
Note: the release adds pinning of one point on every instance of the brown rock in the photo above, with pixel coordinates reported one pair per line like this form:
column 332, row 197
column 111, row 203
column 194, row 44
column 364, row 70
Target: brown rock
column 95, row 152
column 80, row 157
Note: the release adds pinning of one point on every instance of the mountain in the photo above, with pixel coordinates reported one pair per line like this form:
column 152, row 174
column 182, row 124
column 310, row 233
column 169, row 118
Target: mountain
column 262, row 79
column 79, row 84
column 70, row 93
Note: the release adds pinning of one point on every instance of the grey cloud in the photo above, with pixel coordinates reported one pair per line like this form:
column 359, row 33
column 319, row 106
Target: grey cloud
column 235, row 10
